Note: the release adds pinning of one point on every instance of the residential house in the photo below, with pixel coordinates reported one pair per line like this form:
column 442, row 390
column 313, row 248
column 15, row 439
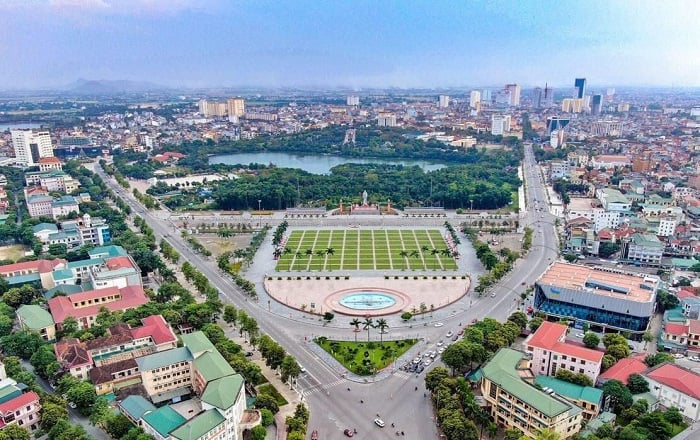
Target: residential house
column 551, row 352
column 37, row 320
column 622, row 370
column 589, row 399
column 73, row 357
column 675, row 386
column 642, row 248
column 37, row 271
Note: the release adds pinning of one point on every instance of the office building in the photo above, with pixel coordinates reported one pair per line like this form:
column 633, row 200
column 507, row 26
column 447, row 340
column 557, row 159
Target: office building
column 443, row 101
column 486, row 95
column 474, row 99
column 31, row 145
column 596, row 104
column 514, row 94
column 515, row 403
column 603, row 299
column 550, row 352
column 211, row 108
column 386, row 120
column 579, row 88
column 352, row 100
column 537, row 94
column 500, row 125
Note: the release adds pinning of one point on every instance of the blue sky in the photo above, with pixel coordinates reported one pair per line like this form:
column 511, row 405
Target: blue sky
column 351, row 43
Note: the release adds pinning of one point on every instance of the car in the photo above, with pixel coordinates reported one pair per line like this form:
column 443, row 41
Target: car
column 474, row 321
column 454, row 338
column 449, row 334
column 580, row 335
column 65, row 396
column 678, row 356
column 631, row 346
column 432, row 355
column 349, row 432
column 248, row 353
column 439, row 324
column 460, row 332
column 417, row 360
column 428, row 362
column 441, row 349
column 523, row 283
column 694, row 358
column 72, row 405
column 302, row 369
column 379, row 422
column 529, row 310
column 493, row 295
column 420, row 369
column 439, row 343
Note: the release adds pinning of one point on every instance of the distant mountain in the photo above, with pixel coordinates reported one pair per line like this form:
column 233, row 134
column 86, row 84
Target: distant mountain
column 109, row 87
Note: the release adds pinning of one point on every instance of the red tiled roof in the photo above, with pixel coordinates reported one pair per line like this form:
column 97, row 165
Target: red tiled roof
column 49, row 160
column 19, row 402
column 118, row 263
column 155, row 327
column 72, row 353
column 549, row 336
column 41, row 266
column 694, row 326
column 622, row 370
column 675, row 329
column 677, row 378
column 63, row 306
column 685, row 293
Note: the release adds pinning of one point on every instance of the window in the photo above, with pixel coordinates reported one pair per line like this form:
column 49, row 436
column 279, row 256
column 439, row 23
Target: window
column 563, row 357
column 580, row 370
column 583, row 362
column 573, row 359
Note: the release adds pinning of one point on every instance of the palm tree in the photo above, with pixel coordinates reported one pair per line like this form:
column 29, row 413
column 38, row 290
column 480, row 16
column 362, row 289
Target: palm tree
column 309, row 252
column 367, row 325
column 356, row 323
column 424, row 248
column 423, row 308
column 381, row 325
column 414, row 254
column 403, row 254
column 547, row 434
column 446, row 252
column 433, row 253
column 330, row 251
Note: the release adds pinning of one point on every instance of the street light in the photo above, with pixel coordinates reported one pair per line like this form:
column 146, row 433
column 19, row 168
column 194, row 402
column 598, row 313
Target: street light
column 472, row 205
column 259, row 218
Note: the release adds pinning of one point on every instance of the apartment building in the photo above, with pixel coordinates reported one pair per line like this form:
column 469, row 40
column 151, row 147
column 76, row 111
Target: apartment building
column 31, row 145
column 589, row 399
column 675, row 386
column 642, row 248
column 85, row 306
column 53, row 180
column 39, row 271
column 23, row 410
column 515, row 403
column 550, row 352
column 110, row 377
column 603, row 299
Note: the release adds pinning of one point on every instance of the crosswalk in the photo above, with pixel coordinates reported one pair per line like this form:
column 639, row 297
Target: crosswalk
column 324, row 387
column 403, row 374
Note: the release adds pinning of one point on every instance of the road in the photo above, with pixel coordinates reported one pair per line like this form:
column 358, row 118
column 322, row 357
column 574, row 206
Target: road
column 398, row 399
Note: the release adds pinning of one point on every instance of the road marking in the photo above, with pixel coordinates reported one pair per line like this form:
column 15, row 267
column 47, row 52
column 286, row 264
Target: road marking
column 323, row 387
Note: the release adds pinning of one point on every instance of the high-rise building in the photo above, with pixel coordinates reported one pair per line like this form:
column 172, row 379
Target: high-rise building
column 596, row 104
column 537, row 97
column 31, row 145
column 443, row 101
column 235, row 107
column 386, row 120
column 610, row 94
column 580, row 85
column 486, row 95
column 474, row 98
column 500, row 124
column 514, row 90
column 353, row 100
column 572, row 105
column 548, row 98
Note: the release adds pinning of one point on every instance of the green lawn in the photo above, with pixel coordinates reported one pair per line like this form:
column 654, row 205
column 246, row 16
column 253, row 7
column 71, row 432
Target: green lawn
column 372, row 249
column 364, row 358
column 272, row 391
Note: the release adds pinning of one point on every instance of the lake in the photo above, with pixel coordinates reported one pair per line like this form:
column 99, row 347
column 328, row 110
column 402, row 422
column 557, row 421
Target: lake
column 18, row 126
column 312, row 163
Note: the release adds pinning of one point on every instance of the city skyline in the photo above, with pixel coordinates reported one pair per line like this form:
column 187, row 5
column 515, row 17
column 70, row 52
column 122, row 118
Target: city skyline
column 363, row 44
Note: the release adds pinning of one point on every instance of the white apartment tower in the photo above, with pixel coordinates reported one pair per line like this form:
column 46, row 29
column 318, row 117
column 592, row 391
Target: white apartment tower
column 31, row 145
column 236, row 107
column 514, row 90
column 444, row 101
column 500, row 124
column 353, row 100
column 474, row 98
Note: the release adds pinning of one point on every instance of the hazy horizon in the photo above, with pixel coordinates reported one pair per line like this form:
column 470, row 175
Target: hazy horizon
column 49, row 44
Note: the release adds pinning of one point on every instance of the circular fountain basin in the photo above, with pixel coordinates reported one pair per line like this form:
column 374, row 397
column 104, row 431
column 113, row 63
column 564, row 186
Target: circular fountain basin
column 367, row 300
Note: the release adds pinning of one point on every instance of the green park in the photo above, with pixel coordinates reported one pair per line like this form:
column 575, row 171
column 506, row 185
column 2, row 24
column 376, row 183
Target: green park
column 365, row 358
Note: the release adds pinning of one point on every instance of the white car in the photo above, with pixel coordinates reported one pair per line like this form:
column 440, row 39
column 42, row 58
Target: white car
column 678, row 356
column 439, row 344
column 441, row 349
column 449, row 334
column 302, row 369
column 72, row 405
column 580, row 335
column 428, row 362
column 379, row 422
column 493, row 295
column 439, row 324
column 694, row 358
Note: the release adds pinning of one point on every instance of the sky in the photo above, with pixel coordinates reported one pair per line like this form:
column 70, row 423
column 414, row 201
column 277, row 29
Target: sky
column 350, row 43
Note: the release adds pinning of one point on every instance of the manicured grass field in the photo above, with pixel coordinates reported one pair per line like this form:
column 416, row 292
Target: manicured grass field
column 371, row 249
column 365, row 358
column 272, row 391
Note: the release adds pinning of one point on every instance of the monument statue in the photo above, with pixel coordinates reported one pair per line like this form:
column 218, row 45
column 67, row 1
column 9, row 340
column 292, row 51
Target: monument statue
column 364, row 198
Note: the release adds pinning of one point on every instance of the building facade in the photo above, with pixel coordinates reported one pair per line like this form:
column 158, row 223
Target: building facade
column 31, row 145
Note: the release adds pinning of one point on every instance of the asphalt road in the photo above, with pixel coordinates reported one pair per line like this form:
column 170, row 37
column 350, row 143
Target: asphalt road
column 395, row 399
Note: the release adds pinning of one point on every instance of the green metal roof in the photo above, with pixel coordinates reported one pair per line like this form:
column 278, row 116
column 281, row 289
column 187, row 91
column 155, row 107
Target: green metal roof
column 211, row 365
column 34, row 317
column 570, row 390
column 23, row 279
column 502, row 370
column 85, row 263
column 684, row 263
column 648, row 240
column 136, row 406
column 62, row 274
column 68, row 289
column 197, row 342
column 107, row 251
column 199, row 426
column 44, row 226
column 222, row 393
column 163, row 358
column 164, row 420
column 8, row 393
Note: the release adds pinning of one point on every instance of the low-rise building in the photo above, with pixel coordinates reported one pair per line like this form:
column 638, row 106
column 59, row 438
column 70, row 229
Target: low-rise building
column 23, row 410
column 550, row 352
column 589, row 399
column 514, row 403
column 622, row 370
column 643, row 248
column 675, row 386
column 37, row 320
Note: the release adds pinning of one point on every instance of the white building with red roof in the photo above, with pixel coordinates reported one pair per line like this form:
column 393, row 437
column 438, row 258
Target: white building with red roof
column 622, row 370
column 676, row 387
column 550, row 352
column 22, row 411
column 85, row 306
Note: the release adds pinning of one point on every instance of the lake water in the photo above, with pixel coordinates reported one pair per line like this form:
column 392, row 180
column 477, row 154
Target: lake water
column 312, row 163
column 18, row 126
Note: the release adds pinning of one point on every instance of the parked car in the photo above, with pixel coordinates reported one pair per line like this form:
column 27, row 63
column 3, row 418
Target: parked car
column 379, row 422
column 349, row 432
column 439, row 324
column 694, row 358
column 449, row 334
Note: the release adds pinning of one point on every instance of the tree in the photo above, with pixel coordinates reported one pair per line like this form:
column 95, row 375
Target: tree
column 14, row 432
column 230, row 314
column 591, row 340
column 620, row 396
column 512, row 434
column 659, row 358
column 637, row 384
column 367, row 324
column 382, row 325
column 22, row 343
column 44, row 362
column 535, row 323
column 673, row 416
column 258, row 433
column 356, row 323
column 117, row 425
column 547, row 434
column 406, row 316
column 82, row 394
column 614, row 339
column 51, row 413
column 456, row 356
column 328, row 317
column 665, row 301
column 289, row 369
column 607, row 362
column 268, row 402
column 267, row 417
column 519, row 318
column 655, row 423
column 607, row 248
column 618, row 351
column 434, row 377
